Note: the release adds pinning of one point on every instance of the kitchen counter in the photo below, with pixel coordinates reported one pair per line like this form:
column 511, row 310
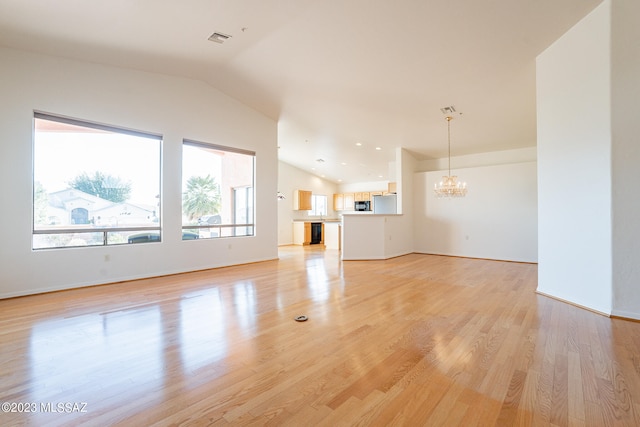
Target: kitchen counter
column 374, row 236
column 331, row 232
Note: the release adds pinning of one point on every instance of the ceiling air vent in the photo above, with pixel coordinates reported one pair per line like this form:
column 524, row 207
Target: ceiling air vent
column 219, row 37
column 448, row 111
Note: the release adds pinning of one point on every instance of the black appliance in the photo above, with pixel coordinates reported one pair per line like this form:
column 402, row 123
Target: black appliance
column 362, row 206
column 316, row 233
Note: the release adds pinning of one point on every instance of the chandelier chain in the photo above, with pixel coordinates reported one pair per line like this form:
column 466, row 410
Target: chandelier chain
column 449, row 140
column 450, row 186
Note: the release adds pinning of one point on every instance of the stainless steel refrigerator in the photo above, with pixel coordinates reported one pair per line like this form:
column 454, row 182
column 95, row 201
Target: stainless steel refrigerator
column 385, row 204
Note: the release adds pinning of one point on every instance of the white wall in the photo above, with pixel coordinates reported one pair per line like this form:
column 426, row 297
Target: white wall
column 574, row 164
column 174, row 107
column 364, row 186
column 491, row 158
column 625, row 72
column 496, row 220
column 291, row 178
column 406, row 199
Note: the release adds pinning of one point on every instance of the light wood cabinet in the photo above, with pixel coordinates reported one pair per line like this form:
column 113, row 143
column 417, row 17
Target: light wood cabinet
column 338, row 202
column 302, row 200
column 307, row 233
column 345, row 201
column 362, row 197
column 349, row 200
column 392, row 187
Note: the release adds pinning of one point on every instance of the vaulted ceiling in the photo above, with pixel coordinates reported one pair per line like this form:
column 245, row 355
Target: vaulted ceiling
column 341, row 77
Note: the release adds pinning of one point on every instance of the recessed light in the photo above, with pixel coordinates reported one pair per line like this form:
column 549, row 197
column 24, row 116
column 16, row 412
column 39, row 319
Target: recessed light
column 339, row 180
column 343, row 164
column 378, row 148
column 359, row 144
column 321, row 176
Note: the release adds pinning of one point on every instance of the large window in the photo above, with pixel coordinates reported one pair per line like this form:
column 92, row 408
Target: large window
column 217, row 191
column 93, row 184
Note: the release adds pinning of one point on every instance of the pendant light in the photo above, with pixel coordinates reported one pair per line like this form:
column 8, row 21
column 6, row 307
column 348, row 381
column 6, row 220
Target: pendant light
column 449, row 186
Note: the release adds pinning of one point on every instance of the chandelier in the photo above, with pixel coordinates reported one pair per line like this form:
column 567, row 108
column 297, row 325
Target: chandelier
column 449, row 186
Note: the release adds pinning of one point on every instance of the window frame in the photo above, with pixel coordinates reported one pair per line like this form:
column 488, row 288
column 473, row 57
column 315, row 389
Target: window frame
column 218, row 228
column 314, row 206
column 93, row 229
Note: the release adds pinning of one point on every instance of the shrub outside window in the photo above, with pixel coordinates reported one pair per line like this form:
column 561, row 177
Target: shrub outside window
column 217, row 191
column 93, row 184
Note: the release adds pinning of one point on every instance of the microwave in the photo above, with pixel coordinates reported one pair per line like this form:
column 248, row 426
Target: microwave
column 362, row 206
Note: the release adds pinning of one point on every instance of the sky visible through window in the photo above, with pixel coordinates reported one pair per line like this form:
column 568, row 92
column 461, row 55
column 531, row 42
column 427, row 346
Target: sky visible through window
column 200, row 162
column 61, row 156
column 90, row 177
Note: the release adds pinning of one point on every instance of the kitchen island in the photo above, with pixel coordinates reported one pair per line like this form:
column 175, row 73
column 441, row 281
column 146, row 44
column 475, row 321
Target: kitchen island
column 375, row 236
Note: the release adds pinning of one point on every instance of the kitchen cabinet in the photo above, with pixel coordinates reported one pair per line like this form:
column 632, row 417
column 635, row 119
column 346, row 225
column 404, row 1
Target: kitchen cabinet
column 338, row 202
column 362, row 197
column 332, row 235
column 302, row 200
column 392, row 188
column 301, row 233
column 345, row 201
column 349, row 200
column 308, row 233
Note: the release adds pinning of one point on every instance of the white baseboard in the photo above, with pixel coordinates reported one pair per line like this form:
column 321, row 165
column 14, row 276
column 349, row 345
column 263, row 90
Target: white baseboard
column 626, row 314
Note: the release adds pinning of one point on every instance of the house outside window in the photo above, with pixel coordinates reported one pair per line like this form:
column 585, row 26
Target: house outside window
column 93, row 184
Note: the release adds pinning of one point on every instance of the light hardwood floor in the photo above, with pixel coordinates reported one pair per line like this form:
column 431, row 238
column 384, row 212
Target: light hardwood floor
column 415, row 340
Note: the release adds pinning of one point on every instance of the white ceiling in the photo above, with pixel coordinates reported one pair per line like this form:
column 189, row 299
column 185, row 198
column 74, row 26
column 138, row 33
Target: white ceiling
column 333, row 73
